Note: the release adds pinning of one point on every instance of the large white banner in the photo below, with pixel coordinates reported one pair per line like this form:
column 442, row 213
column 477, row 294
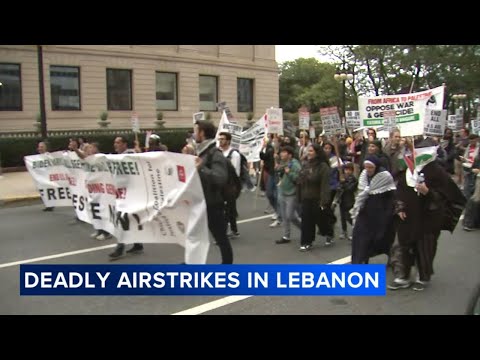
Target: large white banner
column 154, row 197
column 252, row 140
column 410, row 109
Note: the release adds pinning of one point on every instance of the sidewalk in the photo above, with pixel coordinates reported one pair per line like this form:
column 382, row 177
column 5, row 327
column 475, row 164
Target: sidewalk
column 16, row 187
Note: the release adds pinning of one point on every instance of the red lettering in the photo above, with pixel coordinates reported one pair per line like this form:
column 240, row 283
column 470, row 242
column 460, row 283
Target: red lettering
column 96, row 188
column 110, row 189
column 121, row 193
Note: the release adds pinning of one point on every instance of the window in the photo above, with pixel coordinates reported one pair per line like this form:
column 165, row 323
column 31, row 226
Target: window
column 245, row 95
column 208, row 89
column 119, row 89
column 10, row 88
column 166, row 91
column 65, row 87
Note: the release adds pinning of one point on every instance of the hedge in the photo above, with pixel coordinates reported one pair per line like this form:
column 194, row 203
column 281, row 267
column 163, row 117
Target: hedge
column 12, row 150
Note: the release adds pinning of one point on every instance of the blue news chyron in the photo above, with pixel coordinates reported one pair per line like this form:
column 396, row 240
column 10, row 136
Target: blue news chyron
column 268, row 280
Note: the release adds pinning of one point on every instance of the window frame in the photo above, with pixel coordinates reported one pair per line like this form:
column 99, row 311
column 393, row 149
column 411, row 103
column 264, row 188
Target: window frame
column 252, row 87
column 216, row 92
column 79, row 89
column 176, row 89
column 131, row 89
column 20, row 108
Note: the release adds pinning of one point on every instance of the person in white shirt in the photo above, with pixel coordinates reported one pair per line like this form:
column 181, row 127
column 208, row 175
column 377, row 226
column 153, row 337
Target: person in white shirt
column 233, row 155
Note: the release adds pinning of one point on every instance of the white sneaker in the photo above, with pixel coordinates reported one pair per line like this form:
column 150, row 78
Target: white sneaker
column 101, row 237
column 274, row 216
column 94, row 235
column 275, row 224
column 253, row 189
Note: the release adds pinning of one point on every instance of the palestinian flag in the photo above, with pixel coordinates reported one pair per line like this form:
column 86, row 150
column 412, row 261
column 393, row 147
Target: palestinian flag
column 420, row 158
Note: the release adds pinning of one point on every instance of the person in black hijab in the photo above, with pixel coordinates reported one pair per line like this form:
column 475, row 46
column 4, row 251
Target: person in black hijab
column 427, row 202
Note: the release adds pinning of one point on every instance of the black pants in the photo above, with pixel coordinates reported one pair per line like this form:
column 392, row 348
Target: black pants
column 218, row 228
column 310, row 216
column 231, row 214
column 345, row 217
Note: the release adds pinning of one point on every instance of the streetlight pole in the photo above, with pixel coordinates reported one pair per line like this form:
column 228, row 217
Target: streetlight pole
column 343, row 76
column 43, row 113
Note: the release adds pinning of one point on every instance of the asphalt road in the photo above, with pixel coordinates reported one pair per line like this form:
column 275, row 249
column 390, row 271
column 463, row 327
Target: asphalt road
column 27, row 233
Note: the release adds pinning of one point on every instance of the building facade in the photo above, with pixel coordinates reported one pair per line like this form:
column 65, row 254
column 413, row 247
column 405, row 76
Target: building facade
column 82, row 81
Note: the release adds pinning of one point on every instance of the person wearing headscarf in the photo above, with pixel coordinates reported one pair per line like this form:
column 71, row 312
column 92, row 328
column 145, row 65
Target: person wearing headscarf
column 427, row 202
column 373, row 212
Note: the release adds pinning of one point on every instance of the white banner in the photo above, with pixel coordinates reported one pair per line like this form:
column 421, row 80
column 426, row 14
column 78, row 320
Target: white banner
column 252, row 140
column 154, row 197
column 435, row 121
column 410, row 109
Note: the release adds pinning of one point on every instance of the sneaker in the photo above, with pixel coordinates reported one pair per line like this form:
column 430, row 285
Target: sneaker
column 118, row 252
column 274, row 216
column 233, row 234
column 253, row 189
column 283, row 240
column 305, row 247
column 275, row 224
column 136, row 248
column 419, row 285
column 48, row 209
column 466, row 228
column 350, row 238
column 94, row 235
column 398, row 283
column 329, row 240
column 343, row 236
column 101, row 237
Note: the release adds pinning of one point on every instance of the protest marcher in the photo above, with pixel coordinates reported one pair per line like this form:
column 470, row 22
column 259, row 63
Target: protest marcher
column 120, row 146
column 327, row 217
column 347, row 188
column 267, row 154
column 287, row 171
column 212, row 168
column 461, row 143
column 88, row 150
column 471, row 220
column 394, row 152
column 313, row 190
column 470, row 153
column 427, row 202
column 373, row 212
column 42, row 148
column 233, row 156
column 448, row 145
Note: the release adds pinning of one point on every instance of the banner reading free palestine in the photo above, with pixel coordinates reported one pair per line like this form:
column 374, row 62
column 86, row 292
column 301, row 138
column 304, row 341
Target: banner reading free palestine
column 410, row 109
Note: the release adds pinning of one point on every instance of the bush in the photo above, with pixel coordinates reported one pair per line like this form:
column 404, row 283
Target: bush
column 12, row 150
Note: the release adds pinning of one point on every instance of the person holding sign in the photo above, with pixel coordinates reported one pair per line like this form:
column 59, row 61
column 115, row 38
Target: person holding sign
column 42, row 148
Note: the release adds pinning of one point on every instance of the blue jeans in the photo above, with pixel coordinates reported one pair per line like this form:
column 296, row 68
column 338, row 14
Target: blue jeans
column 288, row 207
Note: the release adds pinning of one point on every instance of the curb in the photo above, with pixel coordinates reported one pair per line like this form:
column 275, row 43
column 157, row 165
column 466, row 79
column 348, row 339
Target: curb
column 16, row 199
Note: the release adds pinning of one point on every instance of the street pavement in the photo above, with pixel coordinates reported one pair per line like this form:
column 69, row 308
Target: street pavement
column 33, row 236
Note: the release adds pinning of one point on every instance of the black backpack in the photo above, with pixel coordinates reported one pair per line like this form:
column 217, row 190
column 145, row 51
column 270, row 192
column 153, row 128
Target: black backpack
column 244, row 173
column 233, row 187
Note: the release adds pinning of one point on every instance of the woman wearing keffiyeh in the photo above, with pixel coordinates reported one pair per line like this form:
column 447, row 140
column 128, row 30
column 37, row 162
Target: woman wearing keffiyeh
column 373, row 212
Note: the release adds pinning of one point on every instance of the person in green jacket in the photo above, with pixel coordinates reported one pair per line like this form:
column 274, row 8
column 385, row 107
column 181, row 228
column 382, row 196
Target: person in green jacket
column 287, row 170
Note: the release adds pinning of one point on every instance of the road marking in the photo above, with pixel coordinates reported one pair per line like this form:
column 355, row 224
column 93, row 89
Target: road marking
column 235, row 298
column 71, row 253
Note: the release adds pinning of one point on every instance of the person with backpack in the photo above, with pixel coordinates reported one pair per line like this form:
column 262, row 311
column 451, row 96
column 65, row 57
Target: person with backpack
column 231, row 214
column 212, row 167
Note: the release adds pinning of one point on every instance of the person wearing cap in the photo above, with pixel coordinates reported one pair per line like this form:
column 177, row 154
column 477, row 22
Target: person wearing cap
column 373, row 212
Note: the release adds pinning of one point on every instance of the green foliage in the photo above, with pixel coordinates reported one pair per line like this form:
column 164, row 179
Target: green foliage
column 159, row 115
column 12, row 150
column 104, row 115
